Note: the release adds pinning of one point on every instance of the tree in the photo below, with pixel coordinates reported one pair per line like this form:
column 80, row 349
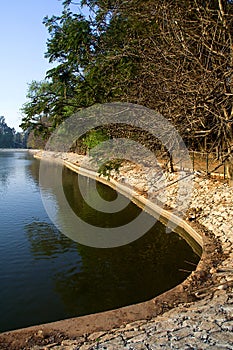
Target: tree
column 184, row 64
column 83, row 75
column 172, row 56
column 187, row 70
column 45, row 106
column 6, row 134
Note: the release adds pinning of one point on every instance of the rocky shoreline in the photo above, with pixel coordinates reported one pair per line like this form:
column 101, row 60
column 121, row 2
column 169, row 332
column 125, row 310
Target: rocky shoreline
column 204, row 322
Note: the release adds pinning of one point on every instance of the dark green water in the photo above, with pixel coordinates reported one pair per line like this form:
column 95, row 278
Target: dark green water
column 45, row 276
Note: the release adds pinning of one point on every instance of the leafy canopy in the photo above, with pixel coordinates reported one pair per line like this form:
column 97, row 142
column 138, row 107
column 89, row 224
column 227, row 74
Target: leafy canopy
column 172, row 56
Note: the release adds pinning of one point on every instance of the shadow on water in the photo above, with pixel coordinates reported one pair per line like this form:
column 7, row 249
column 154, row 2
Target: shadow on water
column 45, row 276
column 89, row 279
column 4, row 170
column 46, row 241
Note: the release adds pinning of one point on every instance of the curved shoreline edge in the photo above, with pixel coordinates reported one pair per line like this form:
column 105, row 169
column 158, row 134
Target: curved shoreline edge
column 181, row 294
column 151, row 208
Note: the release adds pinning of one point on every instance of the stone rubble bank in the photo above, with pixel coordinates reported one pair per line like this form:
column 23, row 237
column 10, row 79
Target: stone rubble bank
column 206, row 323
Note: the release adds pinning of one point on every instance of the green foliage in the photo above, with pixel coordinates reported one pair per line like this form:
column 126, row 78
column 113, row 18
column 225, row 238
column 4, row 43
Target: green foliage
column 106, row 168
column 9, row 138
column 71, row 40
column 94, row 138
column 46, row 107
column 88, row 71
column 6, row 135
column 171, row 56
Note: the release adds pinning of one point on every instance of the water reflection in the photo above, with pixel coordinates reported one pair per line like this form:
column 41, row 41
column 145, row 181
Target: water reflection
column 46, row 241
column 110, row 278
column 13, row 169
column 72, row 184
column 3, row 179
column 101, row 279
column 96, row 228
column 90, row 280
column 45, row 276
column 5, row 162
column 33, row 169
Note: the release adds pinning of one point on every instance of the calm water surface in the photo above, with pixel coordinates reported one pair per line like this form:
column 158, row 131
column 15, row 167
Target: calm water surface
column 45, row 276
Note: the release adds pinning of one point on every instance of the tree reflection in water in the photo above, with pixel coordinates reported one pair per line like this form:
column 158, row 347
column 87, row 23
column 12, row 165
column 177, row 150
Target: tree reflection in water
column 45, row 276
column 5, row 164
column 46, row 241
column 89, row 280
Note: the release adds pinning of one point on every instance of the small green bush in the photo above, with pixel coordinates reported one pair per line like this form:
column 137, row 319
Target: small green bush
column 106, row 168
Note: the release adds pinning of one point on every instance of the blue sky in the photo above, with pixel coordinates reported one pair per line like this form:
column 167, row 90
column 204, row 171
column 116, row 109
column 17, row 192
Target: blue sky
column 23, row 43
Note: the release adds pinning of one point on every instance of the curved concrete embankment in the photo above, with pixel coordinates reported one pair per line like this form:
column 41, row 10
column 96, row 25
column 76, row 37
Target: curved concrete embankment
column 165, row 216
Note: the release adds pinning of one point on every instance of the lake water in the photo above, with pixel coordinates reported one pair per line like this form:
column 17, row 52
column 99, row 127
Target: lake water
column 45, row 276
